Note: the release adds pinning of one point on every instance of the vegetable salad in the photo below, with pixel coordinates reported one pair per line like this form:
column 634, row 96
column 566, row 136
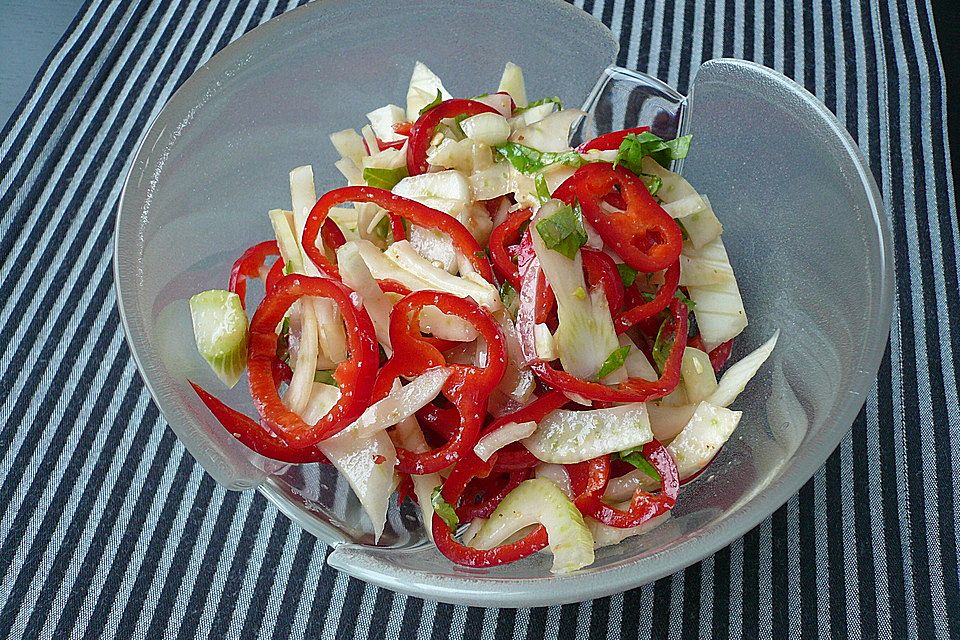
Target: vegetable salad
column 521, row 337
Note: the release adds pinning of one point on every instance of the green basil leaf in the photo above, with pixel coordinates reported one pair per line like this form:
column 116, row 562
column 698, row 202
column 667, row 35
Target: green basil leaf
column 283, row 341
column 325, row 377
column 635, row 457
column 653, row 183
column 614, row 361
column 563, row 231
column 530, row 161
column 536, row 103
column 628, row 274
column 433, row 104
column 637, row 145
column 384, row 178
column 382, row 228
column 682, row 297
column 443, row 509
column 662, row 345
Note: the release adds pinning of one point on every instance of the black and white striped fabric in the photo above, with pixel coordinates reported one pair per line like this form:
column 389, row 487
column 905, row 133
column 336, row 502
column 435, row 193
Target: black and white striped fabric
column 109, row 529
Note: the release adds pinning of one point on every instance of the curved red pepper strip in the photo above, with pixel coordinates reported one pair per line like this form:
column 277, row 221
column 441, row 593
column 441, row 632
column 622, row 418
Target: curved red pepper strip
column 644, row 235
column 255, row 437
column 274, row 275
column 250, row 265
column 443, row 422
column 467, row 387
column 463, row 472
column 491, row 491
column 643, row 505
column 396, row 206
column 423, row 130
column 332, row 235
column 602, row 270
column 610, row 141
column 589, row 477
column 627, row 319
column 355, row 375
column 630, row 390
column 505, row 234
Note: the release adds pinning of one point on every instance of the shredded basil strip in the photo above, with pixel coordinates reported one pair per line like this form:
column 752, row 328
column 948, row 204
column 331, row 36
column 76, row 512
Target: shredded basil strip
column 682, row 297
column 628, row 274
column 536, row 103
column 325, row 377
column 543, row 191
column 443, row 509
column 436, row 101
column 637, row 145
column 662, row 345
column 563, row 231
column 530, row 161
column 384, row 178
column 614, row 361
column 635, row 457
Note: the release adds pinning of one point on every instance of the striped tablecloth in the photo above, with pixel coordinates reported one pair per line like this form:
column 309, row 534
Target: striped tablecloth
column 109, row 529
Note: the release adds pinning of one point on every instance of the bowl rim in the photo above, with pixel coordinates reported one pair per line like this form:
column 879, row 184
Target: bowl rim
column 528, row 592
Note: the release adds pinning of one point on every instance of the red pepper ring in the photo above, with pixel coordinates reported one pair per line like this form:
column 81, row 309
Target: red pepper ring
column 354, row 376
column 643, row 234
column 463, row 472
column 590, row 476
column 643, row 505
column 630, row 390
column 423, row 130
column 274, row 275
column 610, row 141
column 630, row 317
column 250, row 265
column 396, row 206
column 492, row 491
column 468, row 386
column 255, row 437
column 602, row 270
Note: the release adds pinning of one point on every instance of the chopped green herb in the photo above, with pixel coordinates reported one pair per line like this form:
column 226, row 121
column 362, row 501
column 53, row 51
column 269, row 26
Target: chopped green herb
column 510, row 298
column 283, row 341
column 287, row 268
column 563, row 232
column 325, row 377
column 530, row 161
column 543, row 191
column 662, row 345
column 635, row 457
column 682, row 297
column 627, row 274
column 536, row 103
column 382, row 229
column 436, row 101
column 635, row 146
column 647, row 296
column 614, row 361
column 384, row 178
column 653, row 183
column 443, row 509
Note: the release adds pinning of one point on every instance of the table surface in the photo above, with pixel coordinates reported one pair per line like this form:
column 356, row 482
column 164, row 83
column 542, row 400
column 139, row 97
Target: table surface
column 868, row 549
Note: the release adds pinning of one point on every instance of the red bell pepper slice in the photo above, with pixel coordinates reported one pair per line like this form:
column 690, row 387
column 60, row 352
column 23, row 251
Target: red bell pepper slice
column 630, row 390
column 719, row 355
column 468, row 386
column 355, row 375
column 590, row 476
column 643, row 505
column 255, row 437
column 630, row 317
column 610, row 141
column 505, row 234
column 602, row 270
column 274, row 275
column 423, row 130
column 643, row 234
column 463, row 472
column 397, row 207
column 250, row 265
column 487, row 493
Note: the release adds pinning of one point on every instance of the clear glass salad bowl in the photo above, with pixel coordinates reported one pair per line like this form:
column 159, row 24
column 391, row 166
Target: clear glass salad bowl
column 804, row 226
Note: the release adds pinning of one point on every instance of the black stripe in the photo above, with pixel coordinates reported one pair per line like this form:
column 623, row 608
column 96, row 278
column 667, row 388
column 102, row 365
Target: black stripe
column 720, row 624
column 506, row 623
column 710, row 10
column 666, row 40
column 382, row 607
column 441, row 622
column 829, row 57
column 320, row 604
column 630, row 620
column 599, row 617
column 690, row 607
column 779, row 573
column 789, row 43
column 626, row 34
column 809, row 52
column 686, row 49
column 748, row 33
column 751, row 584
column 836, row 562
column 863, row 530
column 349, row 612
column 472, row 626
column 729, row 23
column 536, row 627
column 769, row 41
column 660, row 622
column 806, row 516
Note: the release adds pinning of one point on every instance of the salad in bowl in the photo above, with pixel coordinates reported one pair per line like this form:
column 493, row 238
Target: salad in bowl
column 528, row 340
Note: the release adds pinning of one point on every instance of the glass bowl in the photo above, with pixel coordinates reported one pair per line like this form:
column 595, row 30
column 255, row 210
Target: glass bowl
column 804, row 227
